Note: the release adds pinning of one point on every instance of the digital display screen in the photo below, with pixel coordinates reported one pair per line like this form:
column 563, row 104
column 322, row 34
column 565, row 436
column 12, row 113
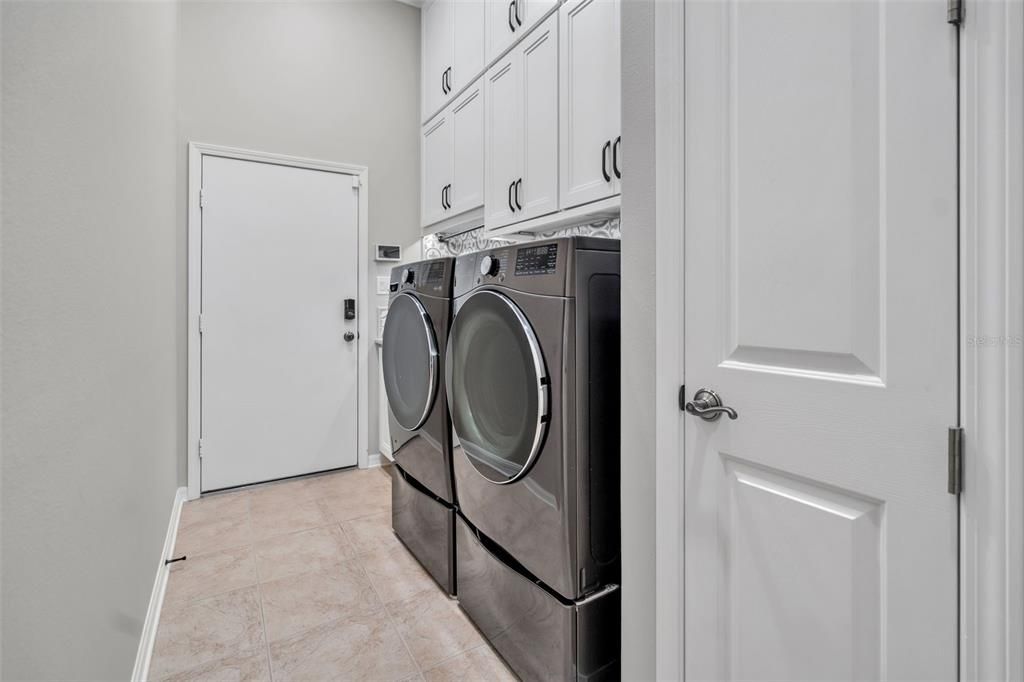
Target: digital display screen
column 435, row 273
column 537, row 260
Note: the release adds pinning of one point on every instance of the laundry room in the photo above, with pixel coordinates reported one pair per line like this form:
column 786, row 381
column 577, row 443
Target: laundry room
column 537, row 340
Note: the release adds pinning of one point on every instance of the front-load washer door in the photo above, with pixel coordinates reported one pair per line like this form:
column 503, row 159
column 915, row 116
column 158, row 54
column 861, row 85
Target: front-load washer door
column 498, row 387
column 410, row 361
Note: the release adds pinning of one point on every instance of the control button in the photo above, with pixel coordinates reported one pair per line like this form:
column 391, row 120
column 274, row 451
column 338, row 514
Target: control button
column 409, row 277
column 489, row 266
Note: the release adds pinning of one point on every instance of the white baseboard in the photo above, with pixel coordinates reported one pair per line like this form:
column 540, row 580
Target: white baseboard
column 156, row 599
column 373, row 460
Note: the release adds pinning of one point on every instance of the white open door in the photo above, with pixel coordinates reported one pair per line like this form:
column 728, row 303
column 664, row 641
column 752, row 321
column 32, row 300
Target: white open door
column 279, row 359
column 820, row 304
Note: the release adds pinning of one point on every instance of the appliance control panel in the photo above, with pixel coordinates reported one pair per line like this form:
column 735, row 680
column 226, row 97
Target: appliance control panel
column 537, row 260
column 429, row 277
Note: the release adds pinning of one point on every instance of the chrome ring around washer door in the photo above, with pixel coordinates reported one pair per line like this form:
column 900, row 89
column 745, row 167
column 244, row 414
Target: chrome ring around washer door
column 432, row 370
column 540, row 371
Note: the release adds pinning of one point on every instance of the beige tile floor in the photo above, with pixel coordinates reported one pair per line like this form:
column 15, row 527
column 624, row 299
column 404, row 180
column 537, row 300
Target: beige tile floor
column 304, row 580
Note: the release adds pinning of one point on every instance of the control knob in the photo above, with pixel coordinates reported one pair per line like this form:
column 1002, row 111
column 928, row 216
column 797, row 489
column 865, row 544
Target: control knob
column 489, row 266
column 409, row 276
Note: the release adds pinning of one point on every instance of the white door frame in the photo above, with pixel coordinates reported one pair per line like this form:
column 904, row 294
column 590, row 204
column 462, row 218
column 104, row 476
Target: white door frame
column 992, row 307
column 364, row 341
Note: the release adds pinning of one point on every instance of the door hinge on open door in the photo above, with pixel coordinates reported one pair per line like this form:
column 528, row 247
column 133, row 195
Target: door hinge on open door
column 956, row 460
column 202, row 326
column 200, row 448
column 202, row 197
column 954, row 12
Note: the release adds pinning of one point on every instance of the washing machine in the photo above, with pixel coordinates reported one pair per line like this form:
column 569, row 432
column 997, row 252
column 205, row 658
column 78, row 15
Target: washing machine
column 412, row 355
column 533, row 388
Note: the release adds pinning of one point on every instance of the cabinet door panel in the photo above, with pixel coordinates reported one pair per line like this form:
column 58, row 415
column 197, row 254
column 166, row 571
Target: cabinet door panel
column 437, row 26
column 501, row 28
column 469, row 38
column 437, row 165
column 539, row 192
column 467, row 117
column 535, row 11
column 503, row 132
column 590, row 100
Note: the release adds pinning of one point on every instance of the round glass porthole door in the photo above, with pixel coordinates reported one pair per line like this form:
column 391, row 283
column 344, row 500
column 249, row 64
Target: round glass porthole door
column 410, row 362
column 497, row 387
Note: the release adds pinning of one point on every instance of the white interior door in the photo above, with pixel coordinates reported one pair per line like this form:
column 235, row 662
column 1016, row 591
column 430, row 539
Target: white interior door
column 279, row 378
column 821, row 304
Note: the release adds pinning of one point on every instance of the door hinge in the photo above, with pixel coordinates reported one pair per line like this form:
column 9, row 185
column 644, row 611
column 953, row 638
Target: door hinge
column 356, row 182
column 202, row 325
column 202, row 197
column 200, row 448
column 954, row 12
column 956, row 460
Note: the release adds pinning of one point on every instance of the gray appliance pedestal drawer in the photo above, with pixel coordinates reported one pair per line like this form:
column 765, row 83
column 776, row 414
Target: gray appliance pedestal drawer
column 540, row 636
column 426, row 526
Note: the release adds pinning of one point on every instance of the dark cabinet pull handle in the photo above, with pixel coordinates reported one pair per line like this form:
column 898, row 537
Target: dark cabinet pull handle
column 518, row 183
column 615, row 156
column 448, row 78
column 510, row 206
column 448, row 196
column 604, row 161
column 511, row 27
column 519, row 20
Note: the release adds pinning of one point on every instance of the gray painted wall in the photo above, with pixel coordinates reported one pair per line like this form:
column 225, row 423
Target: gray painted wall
column 90, row 337
column 638, row 335
column 325, row 80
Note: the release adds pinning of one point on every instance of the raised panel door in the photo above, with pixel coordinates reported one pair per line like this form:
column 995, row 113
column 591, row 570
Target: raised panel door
column 467, row 116
column 821, row 304
column 537, row 194
column 503, row 134
column 590, row 101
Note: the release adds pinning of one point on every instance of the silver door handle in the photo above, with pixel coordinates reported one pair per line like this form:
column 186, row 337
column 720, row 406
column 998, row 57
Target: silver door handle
column 708, row 406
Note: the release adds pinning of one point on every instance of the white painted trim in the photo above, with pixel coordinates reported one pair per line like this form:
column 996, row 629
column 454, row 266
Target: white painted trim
column 609, row 207
column 669, row 334
column 992, row 374
column 364, row 342
column 374, row 460
column 156, row 599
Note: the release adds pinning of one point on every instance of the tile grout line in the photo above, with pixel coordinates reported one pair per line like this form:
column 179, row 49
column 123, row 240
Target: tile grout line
column 391, row 620
column 259, row 593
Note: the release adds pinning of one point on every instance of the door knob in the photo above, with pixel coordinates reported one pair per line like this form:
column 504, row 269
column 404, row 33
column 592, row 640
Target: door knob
column 349, row 336
column 706, row 404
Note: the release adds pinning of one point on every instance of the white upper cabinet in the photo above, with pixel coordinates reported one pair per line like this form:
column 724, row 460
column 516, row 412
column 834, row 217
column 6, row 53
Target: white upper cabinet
column 467, row 121
column 510, row 20
column 453, row 40
column 503, row 150
column 537, row 192
column 437, row 35
column 521, row 154
column 452, row 181
column 590, row 136
column 436, row 163
column 468, row 51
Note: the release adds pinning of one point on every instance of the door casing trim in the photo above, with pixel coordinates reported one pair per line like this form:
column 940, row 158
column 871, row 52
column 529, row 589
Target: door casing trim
column 364, row 342
column 992, row 306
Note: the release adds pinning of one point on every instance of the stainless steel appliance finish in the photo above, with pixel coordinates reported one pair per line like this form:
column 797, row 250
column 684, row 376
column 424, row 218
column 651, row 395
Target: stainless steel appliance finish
column 533, row 387
column 414, row 342
column 541, row 636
